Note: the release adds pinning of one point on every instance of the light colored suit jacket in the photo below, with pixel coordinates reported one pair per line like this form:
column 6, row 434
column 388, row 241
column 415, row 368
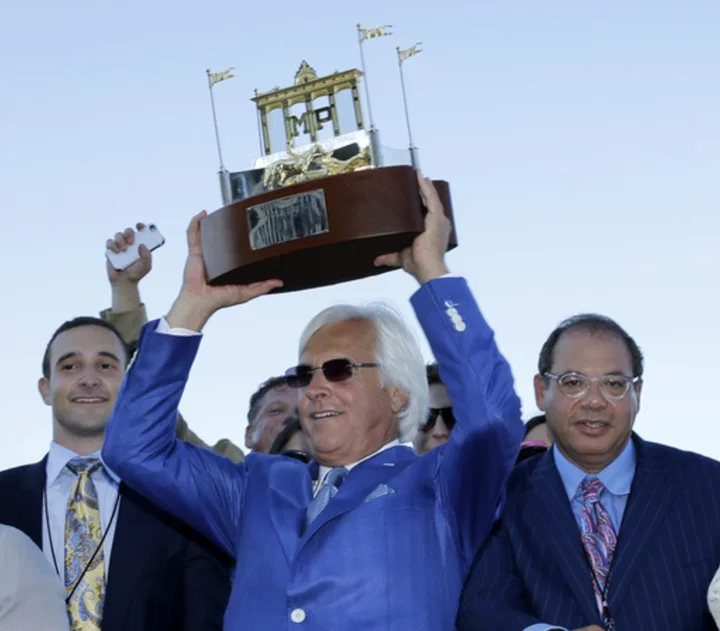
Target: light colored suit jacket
column 130, row 323
column 714, row 598
column 392, row 549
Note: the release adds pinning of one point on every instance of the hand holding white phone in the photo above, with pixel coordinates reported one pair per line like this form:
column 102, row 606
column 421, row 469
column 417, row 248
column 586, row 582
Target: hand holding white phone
column 149, row 236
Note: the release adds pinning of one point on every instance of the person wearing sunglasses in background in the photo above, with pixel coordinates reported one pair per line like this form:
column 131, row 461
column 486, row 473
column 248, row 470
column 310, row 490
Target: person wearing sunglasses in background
column 292, row 441
column 440, row 421
column 339, row 536
column 537, row 438
column 604, row 530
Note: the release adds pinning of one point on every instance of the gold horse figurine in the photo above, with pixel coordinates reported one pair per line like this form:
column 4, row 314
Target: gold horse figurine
column 311, row 165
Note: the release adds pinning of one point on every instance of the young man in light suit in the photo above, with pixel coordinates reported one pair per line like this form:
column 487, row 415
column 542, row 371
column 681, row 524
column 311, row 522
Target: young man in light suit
column 369, row 536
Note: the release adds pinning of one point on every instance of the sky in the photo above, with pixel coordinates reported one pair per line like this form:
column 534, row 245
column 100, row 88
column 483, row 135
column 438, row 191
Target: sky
column 580, row 141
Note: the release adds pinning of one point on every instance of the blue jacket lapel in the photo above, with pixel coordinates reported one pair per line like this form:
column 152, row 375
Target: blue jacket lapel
column 134, row 539
column 650, row 496
column 549, row 508
column 290, row 483
column 360, row 482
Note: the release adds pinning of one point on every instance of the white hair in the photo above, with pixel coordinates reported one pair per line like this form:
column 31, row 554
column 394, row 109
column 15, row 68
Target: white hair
column 396, row 350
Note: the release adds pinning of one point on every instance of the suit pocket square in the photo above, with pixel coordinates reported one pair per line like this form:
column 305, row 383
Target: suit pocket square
column 380, row 491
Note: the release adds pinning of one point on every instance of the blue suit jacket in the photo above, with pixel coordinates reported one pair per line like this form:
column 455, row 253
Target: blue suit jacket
column 163, row 577
column 393, row 547
column 534, row 568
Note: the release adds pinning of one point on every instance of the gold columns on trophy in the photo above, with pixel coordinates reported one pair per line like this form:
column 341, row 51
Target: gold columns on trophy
column 307, row 88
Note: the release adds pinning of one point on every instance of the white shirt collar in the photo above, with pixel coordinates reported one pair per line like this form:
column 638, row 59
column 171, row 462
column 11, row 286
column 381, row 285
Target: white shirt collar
column 324, row 470
column 59, row 456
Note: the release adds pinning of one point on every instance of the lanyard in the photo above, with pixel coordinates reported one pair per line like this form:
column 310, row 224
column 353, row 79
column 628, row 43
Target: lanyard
column 94, row 554
column 607, row 619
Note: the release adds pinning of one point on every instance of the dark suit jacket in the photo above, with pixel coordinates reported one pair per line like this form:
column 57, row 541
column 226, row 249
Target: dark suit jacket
column 162, row 576
column 534, row 569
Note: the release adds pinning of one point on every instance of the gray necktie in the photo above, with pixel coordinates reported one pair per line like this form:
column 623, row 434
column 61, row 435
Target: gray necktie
column 327, row 491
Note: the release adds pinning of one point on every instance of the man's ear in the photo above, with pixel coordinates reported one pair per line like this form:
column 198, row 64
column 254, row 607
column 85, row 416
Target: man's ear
column 44, row 389
column 398, row 400
column 248, row 437
column 539, row 383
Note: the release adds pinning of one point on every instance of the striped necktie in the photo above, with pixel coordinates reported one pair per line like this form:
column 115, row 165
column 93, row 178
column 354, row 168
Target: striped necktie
column 327, row 491
column 84, row 573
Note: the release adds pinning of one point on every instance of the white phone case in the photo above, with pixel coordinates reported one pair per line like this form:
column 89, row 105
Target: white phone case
column 149, row 236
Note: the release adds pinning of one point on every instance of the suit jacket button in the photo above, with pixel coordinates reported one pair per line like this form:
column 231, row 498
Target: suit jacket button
column 298, row 615
column 460, row 326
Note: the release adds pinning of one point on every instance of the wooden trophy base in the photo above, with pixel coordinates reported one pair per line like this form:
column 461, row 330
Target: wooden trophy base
column 320, row 232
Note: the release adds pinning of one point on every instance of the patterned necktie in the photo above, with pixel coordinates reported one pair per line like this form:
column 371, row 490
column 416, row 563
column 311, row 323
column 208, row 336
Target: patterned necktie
column 83, row 534
column 598, row 536
column 327, row 491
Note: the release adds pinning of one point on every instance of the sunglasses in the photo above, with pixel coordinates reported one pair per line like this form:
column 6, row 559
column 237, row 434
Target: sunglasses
column 334, row 370
column 433, row 413
column 297, row 455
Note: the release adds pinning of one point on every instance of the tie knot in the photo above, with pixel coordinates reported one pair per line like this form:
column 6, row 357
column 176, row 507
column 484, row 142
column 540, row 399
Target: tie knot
column 335, row 476
column 591, row 489
column 82, row 465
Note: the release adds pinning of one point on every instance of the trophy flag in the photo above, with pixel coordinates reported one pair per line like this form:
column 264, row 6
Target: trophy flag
column 213, row 78
column 363, row 34
column 404, row 54
column 217, row 77
column 370, row 33
column 409, row 52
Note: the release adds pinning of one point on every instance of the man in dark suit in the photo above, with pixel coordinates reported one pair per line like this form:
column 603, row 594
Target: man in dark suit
column 604, row 529
column 369, row 536
column 126, row 565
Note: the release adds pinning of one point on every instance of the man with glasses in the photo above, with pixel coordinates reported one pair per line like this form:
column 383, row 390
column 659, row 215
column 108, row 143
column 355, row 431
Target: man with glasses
column 367, row 536
column 604, row 530
column 440, row 421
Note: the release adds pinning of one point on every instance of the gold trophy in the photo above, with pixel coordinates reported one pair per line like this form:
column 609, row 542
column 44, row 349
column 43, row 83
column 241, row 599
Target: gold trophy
column 319, row 213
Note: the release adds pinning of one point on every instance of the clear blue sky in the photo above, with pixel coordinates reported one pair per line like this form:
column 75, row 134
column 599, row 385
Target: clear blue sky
column 581, row 141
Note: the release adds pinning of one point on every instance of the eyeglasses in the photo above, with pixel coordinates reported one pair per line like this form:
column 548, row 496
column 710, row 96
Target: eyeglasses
column 334, row 370
column 433, row 413
column 575, row 384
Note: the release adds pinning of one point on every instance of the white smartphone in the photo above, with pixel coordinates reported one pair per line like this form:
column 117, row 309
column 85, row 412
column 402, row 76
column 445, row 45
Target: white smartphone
column 149, row 236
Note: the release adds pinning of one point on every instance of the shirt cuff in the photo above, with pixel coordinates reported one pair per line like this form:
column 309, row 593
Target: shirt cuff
column 164, row 327
column 541, row 626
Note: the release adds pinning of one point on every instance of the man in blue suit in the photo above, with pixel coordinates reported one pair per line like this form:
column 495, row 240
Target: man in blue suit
column 604, row 530
column 123, row 563
column 368, row 536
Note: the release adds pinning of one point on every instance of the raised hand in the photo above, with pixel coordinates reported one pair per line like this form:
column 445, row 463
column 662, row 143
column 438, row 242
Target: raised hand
column 198, row 300
column 139, row 269
column 124, row 284
column 425, row 258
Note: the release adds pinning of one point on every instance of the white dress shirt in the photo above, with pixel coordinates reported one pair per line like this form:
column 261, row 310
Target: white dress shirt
column 325, row 470
column 59, row 486
column 32, row 597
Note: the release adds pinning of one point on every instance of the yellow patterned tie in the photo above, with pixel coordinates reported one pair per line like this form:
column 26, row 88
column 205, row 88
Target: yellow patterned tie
column 83, row 534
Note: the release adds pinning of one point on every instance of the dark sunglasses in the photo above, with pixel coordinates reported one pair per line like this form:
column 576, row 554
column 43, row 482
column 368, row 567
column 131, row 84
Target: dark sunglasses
column 433, row 413
column 334, row 370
